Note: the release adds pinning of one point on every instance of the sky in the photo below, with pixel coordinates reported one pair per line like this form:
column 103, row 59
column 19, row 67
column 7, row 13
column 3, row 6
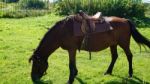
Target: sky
column 146, row 1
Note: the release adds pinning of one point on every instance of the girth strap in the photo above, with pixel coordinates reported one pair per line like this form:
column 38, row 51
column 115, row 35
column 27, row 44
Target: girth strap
column 85, row 44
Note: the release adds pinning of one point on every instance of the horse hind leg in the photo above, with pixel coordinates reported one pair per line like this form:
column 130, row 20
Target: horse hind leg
column 129, row 55
column 114, row 56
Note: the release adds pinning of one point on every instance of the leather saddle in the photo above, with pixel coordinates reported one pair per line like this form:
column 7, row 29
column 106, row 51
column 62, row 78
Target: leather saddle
column 85, row 24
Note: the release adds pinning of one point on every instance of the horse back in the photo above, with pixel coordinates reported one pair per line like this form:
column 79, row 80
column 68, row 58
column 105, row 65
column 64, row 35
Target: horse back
column 101, row 40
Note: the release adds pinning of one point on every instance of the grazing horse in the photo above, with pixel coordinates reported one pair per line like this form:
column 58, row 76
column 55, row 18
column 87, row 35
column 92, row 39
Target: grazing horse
column 62, row 35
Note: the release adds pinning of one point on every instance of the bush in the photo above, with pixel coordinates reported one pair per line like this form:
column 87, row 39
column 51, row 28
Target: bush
column 32, row 4
column 3, row 5
column 10, row 1
column 121, row 8
column 18, row 13
column 16, row 10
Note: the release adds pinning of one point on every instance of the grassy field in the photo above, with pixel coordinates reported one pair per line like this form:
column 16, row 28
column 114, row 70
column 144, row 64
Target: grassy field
column 18, row 38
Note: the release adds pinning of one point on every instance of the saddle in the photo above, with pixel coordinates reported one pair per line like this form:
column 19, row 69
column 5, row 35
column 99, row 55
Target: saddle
column 85, row 24
column 88, row 22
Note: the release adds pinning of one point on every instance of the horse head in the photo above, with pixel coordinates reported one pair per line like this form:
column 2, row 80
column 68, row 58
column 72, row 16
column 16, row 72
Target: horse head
column 39, row 67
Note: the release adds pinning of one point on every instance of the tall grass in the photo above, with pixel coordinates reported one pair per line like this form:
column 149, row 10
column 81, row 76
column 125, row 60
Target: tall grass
column 33, row 4
column 24, row 8
column 122, row 8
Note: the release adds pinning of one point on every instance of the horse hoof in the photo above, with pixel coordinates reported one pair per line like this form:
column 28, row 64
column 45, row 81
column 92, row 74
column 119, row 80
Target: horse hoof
column 69, row 82
column 130, row 76
column 107, row 73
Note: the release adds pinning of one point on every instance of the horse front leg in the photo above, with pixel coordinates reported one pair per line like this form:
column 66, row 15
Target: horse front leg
column 72, row 66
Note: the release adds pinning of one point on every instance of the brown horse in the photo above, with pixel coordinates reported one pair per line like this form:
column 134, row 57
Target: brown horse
column 61, row 35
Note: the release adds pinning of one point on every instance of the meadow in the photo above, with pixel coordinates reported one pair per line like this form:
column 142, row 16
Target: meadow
column 19, row 38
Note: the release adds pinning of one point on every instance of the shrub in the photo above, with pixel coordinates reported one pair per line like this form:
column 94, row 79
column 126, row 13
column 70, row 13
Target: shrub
column 16, row 10
column 10, row 1
column 32, row 4
column 121, row 8
column 3, row 5
column 18, row 13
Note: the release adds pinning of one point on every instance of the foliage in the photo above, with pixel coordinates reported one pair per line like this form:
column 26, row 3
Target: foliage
column 19, row 37
column 122, row 8
column 3, row 5
column 32, row 4
column 22, row 13
column 9, row 1
column 147, row 5
column 127, row 8
column 14, row 10
column 142, row 22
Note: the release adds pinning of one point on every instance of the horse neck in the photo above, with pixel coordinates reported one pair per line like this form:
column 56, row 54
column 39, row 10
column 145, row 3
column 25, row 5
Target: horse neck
column 48, row 44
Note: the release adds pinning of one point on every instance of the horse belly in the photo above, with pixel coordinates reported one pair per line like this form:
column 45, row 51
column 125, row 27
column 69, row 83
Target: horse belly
column 101, row 41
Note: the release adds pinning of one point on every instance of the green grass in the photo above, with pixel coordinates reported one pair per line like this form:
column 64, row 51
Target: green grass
column 18, row 38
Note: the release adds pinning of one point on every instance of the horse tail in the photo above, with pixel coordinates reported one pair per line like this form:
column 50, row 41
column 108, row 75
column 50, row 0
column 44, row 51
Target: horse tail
column 140, row 39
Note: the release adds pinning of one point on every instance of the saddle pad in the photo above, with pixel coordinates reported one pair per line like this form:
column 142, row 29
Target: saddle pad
column 99, row 27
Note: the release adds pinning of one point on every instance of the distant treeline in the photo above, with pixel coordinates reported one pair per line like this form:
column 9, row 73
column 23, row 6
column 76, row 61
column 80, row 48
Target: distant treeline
column 9, row 1
column 121, row 8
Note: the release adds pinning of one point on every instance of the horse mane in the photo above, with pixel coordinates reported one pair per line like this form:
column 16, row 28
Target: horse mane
column 63, row 21
column 56, row 24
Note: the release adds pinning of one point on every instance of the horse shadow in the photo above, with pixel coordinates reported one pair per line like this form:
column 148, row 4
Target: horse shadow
column 43, row 82
column 80, row 80
column 125, row 80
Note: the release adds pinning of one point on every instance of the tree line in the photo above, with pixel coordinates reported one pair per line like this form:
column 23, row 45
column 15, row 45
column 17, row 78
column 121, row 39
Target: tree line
column 121, row 8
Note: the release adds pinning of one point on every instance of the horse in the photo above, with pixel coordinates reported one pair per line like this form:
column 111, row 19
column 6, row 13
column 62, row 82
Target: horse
column 62, row 35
